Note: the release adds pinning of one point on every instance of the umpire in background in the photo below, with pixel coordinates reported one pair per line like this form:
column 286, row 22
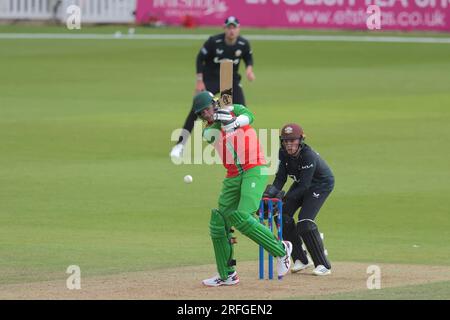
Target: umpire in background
column 226, row 45
column 313, row 183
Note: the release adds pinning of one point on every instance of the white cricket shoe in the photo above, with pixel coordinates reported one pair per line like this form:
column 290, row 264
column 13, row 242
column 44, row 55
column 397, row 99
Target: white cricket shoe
column 320, row 270
column 284, row 263
column 216, row 281
column 299, row 266
column 177, row 151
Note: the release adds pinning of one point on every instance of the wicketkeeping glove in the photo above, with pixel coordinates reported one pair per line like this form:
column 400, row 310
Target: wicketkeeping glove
column 271, row 191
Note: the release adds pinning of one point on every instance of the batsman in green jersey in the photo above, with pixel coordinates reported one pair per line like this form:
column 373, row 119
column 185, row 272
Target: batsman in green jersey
column 229, row 130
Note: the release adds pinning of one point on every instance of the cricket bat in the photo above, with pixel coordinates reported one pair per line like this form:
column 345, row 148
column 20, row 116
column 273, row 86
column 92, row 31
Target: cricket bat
column 226, row 83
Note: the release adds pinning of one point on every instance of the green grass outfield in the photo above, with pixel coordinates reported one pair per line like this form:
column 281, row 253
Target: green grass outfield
column 85, row 127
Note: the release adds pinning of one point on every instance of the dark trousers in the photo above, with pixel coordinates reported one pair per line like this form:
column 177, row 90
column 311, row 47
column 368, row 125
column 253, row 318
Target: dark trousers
column 310, row 202
column 214, row 87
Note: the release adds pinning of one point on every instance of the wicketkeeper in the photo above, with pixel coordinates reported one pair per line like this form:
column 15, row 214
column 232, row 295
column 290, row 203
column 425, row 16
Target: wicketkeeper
column 313, row 183
column 236, row 142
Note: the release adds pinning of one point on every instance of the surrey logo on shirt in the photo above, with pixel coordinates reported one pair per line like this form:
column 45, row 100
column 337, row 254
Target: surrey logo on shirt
column 238, row 53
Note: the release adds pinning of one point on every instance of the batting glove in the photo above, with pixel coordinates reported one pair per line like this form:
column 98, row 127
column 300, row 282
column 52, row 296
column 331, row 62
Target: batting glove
column 223, row 115
column 240, row 121
column 230, row 127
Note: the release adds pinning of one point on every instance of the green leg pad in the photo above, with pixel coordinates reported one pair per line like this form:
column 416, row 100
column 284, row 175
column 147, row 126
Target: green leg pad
column 221, row 239
column 259, row 233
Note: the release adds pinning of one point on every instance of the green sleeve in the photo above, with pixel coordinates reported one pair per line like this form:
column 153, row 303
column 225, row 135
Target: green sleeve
column 239, row 109
column 209, row 133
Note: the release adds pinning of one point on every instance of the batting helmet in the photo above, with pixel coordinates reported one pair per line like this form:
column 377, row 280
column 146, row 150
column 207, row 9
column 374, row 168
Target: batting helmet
column 202, row 101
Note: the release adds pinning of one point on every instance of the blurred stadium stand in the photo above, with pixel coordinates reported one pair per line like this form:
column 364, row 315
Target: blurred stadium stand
column 93, row 11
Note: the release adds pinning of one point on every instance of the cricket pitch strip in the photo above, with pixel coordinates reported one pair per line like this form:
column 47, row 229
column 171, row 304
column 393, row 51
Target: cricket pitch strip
column 185, row 283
